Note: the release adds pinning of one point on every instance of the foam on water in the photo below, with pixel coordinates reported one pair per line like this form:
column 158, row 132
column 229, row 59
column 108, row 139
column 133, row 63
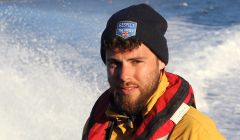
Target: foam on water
column 44, row 86
column 51, row 74
column 39, row 100
column 201, row 54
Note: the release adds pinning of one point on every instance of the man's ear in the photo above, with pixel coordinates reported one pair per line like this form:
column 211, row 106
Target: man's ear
column 161, row 65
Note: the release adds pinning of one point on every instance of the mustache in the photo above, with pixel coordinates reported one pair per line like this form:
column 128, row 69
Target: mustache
column 126, row 85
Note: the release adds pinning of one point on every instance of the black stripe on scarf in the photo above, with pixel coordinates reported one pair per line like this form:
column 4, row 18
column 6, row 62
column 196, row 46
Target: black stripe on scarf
column 168, row 111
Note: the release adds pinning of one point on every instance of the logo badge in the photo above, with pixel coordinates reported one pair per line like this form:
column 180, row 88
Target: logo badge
column 126, row 29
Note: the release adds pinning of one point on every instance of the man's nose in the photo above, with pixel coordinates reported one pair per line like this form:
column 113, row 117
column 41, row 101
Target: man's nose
column 125, row 72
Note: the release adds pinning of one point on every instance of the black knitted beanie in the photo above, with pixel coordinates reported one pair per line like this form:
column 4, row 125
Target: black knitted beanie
column 140, row 22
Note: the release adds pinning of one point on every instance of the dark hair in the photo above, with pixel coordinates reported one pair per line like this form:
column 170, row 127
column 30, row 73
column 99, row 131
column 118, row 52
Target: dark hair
column 122, row 44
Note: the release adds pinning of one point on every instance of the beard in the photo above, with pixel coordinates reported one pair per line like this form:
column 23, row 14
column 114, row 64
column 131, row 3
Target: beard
column 130, row 105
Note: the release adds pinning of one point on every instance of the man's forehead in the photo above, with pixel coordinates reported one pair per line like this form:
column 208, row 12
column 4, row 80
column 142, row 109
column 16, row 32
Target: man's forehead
column 142, row 50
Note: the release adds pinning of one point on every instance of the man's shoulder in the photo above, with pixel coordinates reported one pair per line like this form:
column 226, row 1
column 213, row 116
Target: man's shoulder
column 195, row 118
column 196, row 125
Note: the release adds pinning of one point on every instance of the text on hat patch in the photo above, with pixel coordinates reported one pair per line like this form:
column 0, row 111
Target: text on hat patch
column 126, row 29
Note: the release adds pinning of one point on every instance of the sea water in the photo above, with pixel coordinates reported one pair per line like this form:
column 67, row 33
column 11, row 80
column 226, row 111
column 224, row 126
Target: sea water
column 51, row 71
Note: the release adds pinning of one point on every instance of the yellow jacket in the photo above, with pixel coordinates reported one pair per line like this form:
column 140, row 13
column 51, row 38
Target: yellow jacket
column 194, row 125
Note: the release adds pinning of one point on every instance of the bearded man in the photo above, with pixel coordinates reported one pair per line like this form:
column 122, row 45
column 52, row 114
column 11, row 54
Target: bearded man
column 144, row 101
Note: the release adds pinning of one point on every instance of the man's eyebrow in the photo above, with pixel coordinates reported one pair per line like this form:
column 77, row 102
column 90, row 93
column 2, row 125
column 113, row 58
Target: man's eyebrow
column 137, row 58
column 129, row 59
column 112, row 60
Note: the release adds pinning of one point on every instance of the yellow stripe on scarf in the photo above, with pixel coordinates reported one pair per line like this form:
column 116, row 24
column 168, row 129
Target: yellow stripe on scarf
column 160, row 90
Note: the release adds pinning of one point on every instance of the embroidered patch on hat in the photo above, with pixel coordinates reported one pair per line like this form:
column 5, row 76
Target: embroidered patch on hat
column 126, row 29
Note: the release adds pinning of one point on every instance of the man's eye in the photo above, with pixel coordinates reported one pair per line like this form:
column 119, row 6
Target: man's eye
column 136, row 61
column 112, row 65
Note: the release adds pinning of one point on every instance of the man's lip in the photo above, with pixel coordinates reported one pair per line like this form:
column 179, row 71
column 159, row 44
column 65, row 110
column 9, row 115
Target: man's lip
column 129, row 87
column 128, row 90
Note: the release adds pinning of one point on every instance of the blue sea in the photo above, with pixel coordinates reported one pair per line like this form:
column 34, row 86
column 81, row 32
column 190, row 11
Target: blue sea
column 51, row 72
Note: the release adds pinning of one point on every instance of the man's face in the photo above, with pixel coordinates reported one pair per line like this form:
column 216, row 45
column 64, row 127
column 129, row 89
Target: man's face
column 133, row 76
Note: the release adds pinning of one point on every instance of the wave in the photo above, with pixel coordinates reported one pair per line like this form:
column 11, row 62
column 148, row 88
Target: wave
column 201, row 54
column 52, row 75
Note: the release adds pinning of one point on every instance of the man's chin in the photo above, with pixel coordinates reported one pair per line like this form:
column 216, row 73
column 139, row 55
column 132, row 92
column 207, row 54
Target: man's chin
column 127, row 104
